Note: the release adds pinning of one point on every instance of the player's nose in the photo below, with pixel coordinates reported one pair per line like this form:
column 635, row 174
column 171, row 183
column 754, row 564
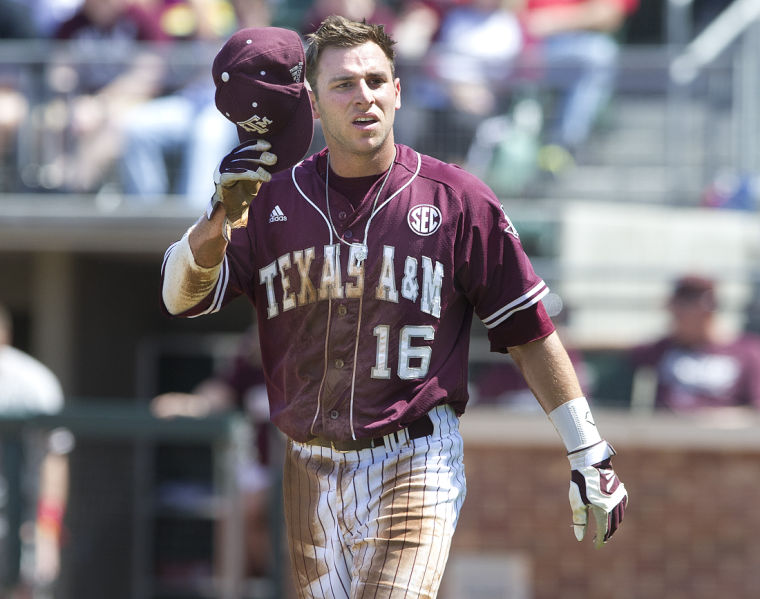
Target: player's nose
column 364, row 94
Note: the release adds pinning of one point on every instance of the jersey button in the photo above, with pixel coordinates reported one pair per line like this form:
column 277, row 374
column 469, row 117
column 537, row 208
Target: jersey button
column 342, row 310
column 339, row 363
column 342, row 215
column 334, row 414
column 348, row 234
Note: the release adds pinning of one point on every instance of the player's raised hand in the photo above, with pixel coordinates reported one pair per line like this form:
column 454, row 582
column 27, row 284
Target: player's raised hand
column 595, row 488
column 238, row 178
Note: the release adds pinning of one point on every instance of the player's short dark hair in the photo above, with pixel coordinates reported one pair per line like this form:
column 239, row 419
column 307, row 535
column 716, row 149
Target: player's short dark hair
column 694, row 290
column 337, row 31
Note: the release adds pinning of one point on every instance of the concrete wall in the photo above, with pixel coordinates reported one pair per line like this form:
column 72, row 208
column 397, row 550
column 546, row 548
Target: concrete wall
column 690, row 531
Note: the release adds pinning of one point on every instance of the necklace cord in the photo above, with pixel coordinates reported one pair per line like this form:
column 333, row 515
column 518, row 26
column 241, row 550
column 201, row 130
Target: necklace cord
column 374, row 204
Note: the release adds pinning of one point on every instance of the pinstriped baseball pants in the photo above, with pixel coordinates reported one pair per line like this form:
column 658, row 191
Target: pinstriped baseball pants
column 375, row 523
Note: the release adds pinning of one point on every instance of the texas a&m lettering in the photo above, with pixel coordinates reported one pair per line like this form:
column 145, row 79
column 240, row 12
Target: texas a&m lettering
column 294, row 280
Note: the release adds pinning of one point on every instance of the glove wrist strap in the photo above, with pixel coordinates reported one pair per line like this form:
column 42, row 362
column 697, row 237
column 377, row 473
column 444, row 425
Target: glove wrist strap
column 589, row 456
column 575, row 424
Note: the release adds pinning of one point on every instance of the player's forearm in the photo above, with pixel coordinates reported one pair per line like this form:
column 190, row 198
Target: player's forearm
column 551, row 376
column 548, row 371
column 206, row 239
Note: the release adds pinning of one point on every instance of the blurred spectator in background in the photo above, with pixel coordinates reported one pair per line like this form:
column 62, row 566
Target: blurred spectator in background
column 465, row 52
column 173, row 143
column 511, row 86
column 240, row 386
column 16, row 24
column 105, row 74
column 474, row 52
column 26, row 385
column 191, row 19
column 373, row 11
column 417, row 24
column 49, row 14
column 696, row 365
column 415, row 28
column 571, row 47
column 27, row 388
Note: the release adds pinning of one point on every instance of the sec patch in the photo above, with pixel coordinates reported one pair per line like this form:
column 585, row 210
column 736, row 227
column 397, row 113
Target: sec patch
column 424, row 219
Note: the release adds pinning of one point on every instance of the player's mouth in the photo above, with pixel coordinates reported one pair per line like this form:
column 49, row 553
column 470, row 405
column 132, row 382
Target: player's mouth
column 364, row 122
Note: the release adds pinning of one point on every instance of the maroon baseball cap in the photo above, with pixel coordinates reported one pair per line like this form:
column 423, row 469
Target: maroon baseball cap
column 259, row 78
column 694, row 289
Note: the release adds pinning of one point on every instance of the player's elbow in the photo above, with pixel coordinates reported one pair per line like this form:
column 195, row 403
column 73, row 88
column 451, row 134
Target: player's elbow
column 185, row 284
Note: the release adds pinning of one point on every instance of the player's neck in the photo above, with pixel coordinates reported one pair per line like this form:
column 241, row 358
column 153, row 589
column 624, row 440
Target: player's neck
column 698, row 337
column 348, row 164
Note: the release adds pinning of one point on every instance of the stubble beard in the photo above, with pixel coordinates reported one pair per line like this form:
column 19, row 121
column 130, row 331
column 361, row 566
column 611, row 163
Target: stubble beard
column 369, row 154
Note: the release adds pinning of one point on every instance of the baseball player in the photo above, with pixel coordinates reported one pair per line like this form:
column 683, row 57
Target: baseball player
column 365, row 263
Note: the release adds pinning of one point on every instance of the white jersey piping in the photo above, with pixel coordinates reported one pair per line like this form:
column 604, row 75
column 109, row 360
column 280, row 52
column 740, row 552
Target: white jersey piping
column 526, row 300
column 329, row 303
column 220, row 289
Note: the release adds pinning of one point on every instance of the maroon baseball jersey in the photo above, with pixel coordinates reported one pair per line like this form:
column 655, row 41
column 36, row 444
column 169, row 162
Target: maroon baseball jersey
column 713, row 375
column 364, row 313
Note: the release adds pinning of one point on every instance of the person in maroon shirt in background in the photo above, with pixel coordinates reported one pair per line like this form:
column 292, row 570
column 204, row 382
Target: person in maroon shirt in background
column 240, row 385
column 96, row 94
column 695, row 365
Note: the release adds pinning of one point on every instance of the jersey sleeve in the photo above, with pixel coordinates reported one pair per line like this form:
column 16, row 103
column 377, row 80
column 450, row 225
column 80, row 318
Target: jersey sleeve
column 497, row 276
column 234, row 280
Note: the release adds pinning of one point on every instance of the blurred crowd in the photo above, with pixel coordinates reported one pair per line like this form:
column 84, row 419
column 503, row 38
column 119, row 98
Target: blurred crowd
column 120, row 101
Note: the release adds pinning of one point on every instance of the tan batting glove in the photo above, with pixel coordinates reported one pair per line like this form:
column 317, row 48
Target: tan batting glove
column 238, row 179
column 595, row 488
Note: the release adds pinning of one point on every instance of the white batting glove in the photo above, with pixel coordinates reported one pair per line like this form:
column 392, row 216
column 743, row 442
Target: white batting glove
column 595, row 487
column 238, row 179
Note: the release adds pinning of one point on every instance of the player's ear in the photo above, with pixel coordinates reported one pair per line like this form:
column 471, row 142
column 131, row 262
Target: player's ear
column 397, row 85
column 313, row 100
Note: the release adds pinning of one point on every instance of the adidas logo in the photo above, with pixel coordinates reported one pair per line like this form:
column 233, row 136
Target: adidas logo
column 277, row 215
